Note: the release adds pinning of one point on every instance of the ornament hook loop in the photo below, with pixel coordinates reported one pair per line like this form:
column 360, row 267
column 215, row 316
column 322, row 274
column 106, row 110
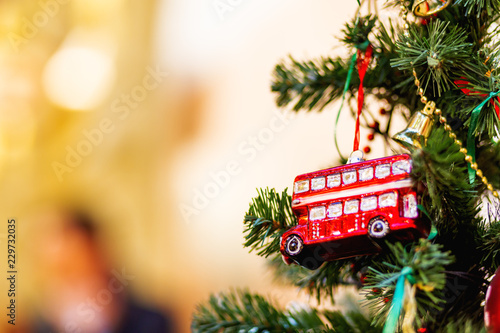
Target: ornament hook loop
column 356, row 156
column 424, row 8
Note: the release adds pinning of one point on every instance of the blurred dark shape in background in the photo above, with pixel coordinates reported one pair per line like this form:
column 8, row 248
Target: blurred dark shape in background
column 80, row 289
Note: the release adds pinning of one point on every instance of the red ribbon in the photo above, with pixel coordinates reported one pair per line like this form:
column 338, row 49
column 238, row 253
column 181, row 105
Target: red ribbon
column 462, row 84
column 363, row 62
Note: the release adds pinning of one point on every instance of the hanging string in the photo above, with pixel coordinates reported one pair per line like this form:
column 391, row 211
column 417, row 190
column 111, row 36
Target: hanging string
column 363, row 63
column 346, row 88
column 471, row 140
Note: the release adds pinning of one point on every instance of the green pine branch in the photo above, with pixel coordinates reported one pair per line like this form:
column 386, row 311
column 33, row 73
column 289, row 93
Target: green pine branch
column 437, row 53
column 356, row 32
column 314, row 84
column 453, row 205
column 490, row 246
column 482, row 79
column 477, row 7
column 462, row 326
column 427, row 261
column 448, row 196
column 320, row 283
column 269, row 216
column 242, row 311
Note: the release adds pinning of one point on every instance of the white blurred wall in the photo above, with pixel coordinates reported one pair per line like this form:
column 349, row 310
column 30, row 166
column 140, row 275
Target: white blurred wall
column 221, row 62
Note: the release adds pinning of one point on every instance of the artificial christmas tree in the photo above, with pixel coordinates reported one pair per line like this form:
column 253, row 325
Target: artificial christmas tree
column 438, row 67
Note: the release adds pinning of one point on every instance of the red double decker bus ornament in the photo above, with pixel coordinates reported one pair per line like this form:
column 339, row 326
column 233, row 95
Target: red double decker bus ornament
column 350, row 210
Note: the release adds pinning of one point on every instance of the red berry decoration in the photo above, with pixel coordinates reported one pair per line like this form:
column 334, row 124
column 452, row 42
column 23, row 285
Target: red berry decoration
column 422, row 330
column 367, row 149
column 371, row 136
column 424, row 21
column 375, row 125
column 492, row 306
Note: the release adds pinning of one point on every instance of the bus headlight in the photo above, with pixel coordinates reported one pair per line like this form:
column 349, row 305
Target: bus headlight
column 410, row 206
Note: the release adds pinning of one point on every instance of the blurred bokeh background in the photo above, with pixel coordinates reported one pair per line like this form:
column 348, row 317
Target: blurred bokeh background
column 156, row 118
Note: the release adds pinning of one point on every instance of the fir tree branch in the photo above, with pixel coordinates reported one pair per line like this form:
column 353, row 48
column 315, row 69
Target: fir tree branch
column 482, row 79
column 463, row 326
column 314, row 84
column 490, row 245
column 269, row 216
column 356, row 33
column 476, row 7
column 320, row 283
column 448, row 196
column 453, row 205
column 436, row 53
column 428, row 263
column 241, row 311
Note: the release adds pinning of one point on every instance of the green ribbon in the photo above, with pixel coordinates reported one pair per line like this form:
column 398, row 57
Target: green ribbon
column 433, row 233
column 391, row 323
column 346, row 87
column 362, row 47
column 471, row 141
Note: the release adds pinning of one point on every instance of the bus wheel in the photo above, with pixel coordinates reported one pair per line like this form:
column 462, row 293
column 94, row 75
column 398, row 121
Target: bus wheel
column 294, row 245
column 378, row 227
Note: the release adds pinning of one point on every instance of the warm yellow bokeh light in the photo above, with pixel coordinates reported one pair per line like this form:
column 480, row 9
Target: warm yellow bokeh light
column 79, row 77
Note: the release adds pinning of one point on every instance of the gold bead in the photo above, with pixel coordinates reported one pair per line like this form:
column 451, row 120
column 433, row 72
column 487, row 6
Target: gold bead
column 406, row 26
column 447, row 127
column 423, row 99
column 479, row 173
column 459, row 143
column 468, row 158
column 495, row 194
column 437, row 112
column 452, row 135
column 420, row 91
column 463, row 151
column 490, row 187
column 442, row 119
column 417, row 82
column 484, row 180
column 473, row 166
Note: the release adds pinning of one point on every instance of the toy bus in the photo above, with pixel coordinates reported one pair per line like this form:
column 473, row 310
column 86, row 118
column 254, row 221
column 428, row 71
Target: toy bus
column 345, row 211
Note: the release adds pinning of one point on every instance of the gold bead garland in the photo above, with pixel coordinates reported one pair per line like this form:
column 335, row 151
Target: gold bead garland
column 452, row 135
column 437, row 112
